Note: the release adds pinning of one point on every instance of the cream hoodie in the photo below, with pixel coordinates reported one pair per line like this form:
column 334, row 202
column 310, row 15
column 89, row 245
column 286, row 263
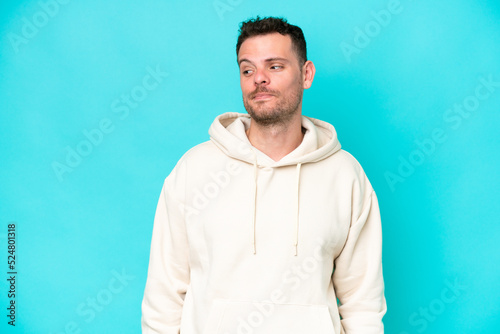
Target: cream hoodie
column 246, row 245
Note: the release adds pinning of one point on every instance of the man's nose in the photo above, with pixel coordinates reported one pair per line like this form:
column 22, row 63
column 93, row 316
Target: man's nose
column 261, row 77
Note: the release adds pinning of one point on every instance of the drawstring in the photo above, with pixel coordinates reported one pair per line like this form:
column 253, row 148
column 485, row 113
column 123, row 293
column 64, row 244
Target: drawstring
column 296, row 236
column 296, row 239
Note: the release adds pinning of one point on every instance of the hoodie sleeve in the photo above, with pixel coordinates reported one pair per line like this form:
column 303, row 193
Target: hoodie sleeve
column 358, row 278
column 168, row 274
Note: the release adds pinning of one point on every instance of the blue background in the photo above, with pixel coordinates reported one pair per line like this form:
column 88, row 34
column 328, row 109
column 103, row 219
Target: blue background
column 79, row 229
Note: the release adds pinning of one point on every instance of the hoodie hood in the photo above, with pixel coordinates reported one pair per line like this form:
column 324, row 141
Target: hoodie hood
column 228, row 133
column 320, row 141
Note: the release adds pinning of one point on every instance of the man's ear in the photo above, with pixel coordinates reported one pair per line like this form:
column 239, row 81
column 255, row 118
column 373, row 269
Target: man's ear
column 308, row 71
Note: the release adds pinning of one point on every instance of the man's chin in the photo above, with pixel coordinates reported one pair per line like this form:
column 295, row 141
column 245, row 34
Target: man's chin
column 260, row 113
column 263, row 107
column 265, row 116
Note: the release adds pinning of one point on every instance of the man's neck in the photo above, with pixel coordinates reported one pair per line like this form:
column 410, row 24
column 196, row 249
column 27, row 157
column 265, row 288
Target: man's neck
column 276, row 141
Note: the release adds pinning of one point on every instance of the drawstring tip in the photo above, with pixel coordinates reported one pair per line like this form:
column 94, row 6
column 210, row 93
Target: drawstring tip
column 295, row 250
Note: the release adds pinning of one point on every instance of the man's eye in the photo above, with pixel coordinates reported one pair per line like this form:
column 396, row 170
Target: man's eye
column 277, row 67
column 246, row 72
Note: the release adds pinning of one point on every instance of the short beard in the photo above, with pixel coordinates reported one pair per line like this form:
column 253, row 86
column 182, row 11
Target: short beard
column 281, row 115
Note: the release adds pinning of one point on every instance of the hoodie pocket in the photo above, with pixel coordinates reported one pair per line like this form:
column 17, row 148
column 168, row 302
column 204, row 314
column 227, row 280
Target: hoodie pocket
column 247, row 317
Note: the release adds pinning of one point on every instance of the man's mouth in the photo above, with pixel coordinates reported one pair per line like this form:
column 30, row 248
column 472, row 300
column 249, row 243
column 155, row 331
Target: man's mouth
column 262, row 96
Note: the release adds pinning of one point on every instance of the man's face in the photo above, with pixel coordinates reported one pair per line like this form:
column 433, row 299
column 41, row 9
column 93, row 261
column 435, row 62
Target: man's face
column 271, row 78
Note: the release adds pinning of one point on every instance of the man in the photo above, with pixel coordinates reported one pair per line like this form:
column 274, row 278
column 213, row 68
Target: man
column 262, row 228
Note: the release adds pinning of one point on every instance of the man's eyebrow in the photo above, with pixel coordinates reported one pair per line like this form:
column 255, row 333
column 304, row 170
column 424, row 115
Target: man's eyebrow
column 268, row 60
column 244, row 59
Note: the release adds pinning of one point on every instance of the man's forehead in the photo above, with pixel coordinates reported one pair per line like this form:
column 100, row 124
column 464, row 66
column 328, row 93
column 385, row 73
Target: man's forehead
column 268, row 47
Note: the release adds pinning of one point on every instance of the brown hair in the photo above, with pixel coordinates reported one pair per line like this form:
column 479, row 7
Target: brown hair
column 267, row 25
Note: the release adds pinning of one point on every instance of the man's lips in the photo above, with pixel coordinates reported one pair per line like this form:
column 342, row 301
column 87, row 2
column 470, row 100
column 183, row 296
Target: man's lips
column 262, row 96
